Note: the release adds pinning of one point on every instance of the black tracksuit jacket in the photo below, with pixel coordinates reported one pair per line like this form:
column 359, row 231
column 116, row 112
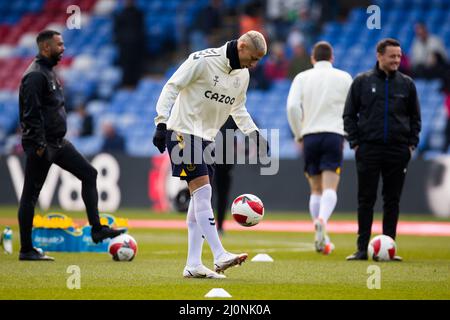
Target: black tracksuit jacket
column 41, row 105
column 382, row 109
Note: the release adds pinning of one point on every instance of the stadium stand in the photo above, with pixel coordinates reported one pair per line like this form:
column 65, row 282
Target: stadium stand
column 91, row 77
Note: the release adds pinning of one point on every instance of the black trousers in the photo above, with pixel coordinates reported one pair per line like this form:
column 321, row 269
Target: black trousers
column 222, row 185
column 36, row 170
column 447, row 136
column 389, row 162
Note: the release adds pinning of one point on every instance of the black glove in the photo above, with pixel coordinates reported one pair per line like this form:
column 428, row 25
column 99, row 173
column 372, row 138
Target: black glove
column 159, row 138
column 262, row 146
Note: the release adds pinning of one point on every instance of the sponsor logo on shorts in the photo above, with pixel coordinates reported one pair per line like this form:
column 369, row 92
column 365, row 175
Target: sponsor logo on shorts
column 180, row 140
column 190, row 167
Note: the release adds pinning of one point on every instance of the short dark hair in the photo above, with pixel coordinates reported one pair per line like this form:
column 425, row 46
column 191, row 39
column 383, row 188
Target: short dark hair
column 46, row 35
column 322, row 51
column 383, row 43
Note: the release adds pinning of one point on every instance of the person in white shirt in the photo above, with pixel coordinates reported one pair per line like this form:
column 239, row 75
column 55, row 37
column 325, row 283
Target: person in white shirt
column 314, row 108
column 424, row 48
column 196, row 101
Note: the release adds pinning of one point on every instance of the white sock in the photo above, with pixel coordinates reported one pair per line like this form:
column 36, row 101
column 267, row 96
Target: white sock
column 195, row 238
column 205, row 218
column 327, row 204
column 314, row 205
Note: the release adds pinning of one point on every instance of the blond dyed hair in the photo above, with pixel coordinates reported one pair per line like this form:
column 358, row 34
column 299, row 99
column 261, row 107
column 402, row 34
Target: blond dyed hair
column 255, row 39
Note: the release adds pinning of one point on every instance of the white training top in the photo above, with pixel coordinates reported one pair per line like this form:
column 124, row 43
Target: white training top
column 204, row 92
column 316, row 100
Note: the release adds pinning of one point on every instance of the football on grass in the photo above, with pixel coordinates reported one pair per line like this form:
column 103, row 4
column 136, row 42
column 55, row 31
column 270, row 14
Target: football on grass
column 382, row 248
column 247, row 210
column 123, row 248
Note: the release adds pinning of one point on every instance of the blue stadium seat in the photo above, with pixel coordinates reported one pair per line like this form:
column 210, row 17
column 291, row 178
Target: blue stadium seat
column 357, row 15
column 88, row 145
column 140, row 146
column 400, row 4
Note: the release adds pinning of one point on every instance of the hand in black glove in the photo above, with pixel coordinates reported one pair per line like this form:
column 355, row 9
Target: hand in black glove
column 261, row 144
column 159, row 138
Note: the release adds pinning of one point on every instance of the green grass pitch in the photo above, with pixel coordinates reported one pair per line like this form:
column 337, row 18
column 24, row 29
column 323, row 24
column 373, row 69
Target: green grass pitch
column 297, row 272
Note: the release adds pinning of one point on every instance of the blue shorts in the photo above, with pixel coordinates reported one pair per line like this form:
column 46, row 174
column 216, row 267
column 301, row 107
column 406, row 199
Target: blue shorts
column 323, row 151
column 191, row 156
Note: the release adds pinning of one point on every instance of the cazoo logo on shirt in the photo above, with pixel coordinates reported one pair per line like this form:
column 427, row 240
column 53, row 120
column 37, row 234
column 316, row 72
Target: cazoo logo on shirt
column 219, row 97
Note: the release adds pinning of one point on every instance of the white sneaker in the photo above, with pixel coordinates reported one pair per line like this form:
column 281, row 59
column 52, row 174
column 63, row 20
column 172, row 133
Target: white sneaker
column 227, row 260
column 201, row 272
column 321, row 235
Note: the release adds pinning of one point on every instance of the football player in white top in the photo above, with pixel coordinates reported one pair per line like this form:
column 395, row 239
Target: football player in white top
column 196, row 101
column 315, row 107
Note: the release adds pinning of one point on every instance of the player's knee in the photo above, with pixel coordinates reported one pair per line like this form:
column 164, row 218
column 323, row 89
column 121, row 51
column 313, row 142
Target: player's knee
column 316, row 187
column 197, row 183
column 90, row 175
column 316, row 190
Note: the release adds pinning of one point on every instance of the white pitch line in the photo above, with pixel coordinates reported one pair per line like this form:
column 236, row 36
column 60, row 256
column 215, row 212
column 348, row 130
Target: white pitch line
column 306, row 249
column 292, row 247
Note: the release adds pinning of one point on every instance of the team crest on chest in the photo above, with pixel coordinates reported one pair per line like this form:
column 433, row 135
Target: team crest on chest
column 237, row 83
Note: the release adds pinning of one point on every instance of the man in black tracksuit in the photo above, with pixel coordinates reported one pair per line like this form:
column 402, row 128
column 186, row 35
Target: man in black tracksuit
column 382, row 120
column 43, row 123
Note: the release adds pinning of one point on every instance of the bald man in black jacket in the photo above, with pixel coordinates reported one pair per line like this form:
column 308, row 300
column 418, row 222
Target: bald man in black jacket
column 43, row 123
